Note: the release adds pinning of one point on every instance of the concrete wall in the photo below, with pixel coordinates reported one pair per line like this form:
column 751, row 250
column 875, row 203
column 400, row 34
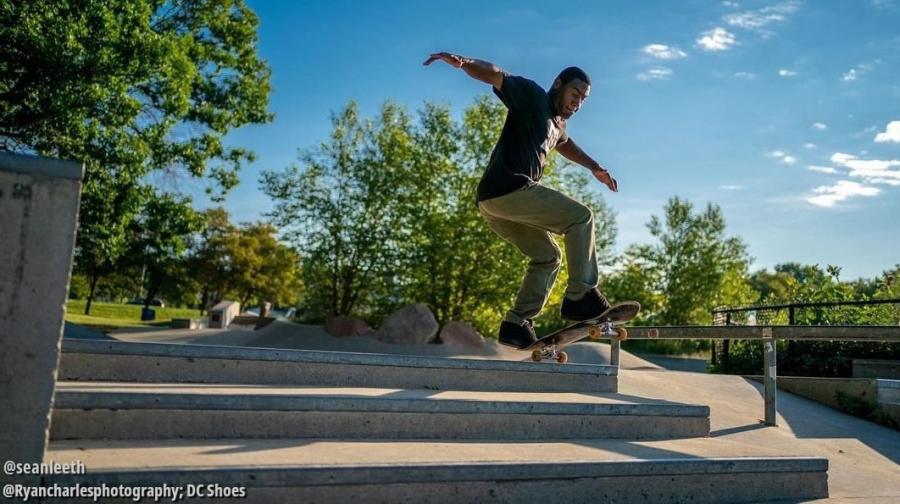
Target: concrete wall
column 39, row 201
column 871, row 368
column 825, row 390
column 221, row 315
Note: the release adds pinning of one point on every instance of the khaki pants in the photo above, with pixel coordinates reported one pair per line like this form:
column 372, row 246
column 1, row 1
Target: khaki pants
column 526, row 218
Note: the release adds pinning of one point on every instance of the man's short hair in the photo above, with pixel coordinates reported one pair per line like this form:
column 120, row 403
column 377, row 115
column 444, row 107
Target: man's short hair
column 572, row 73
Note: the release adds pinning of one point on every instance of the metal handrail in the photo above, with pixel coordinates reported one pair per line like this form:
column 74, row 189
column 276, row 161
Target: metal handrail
column 768, row 334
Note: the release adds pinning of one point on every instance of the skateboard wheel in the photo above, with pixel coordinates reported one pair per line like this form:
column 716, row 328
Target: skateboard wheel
column 653, row 334
column 536, row 356
column 563, row 357
column 621, row 334
column 595, row 332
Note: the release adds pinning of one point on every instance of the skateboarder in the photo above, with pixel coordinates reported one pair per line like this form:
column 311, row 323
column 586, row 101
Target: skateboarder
column 520, row 210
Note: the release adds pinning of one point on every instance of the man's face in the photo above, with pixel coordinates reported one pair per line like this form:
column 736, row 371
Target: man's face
column 571, row 96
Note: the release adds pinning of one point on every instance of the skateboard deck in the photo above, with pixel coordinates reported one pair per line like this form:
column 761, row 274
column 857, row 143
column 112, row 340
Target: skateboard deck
column 607, row 325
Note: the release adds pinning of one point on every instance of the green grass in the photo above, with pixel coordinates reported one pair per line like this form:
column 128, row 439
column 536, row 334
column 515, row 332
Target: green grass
column 108, row 316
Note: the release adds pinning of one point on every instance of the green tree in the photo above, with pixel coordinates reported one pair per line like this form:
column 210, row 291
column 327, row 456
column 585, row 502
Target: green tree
column 208, row 259
column 260, row 268
column 160, row 240
column 333, row 210
column 700, row 267
column 637, row 280
column 129, row 88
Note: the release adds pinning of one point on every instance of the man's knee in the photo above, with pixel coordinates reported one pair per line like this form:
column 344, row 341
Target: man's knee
column 552, row 261
column 581, row 217
column 587, row 215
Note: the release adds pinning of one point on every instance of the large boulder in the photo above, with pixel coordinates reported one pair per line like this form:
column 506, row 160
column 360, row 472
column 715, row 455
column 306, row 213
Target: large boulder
column 414, row 324
column 461, row 334
column 341, row 327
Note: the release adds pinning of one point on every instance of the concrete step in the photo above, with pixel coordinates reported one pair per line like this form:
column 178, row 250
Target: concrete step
column 158, row 362
column 283, row 470
column 888, row 391
column 104, row 410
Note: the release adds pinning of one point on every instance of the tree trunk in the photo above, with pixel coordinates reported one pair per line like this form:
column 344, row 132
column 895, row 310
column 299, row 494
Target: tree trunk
column 94, row 278
column 155, row 282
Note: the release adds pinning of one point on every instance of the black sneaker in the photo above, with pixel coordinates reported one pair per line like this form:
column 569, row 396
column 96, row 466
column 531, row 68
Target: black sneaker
column 515, row 335
column 591, row 306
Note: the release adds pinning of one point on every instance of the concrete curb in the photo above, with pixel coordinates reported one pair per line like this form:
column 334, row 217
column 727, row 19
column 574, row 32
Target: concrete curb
column 133, row 400
column 158, row 362
column 664, row 481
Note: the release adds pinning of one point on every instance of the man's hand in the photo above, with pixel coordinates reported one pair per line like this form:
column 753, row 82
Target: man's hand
column 450, row 59
column 477, row 69
column 603, row 176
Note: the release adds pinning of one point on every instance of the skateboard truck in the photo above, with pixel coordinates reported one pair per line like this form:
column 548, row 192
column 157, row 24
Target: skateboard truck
column 550, row 352
column 606, row 329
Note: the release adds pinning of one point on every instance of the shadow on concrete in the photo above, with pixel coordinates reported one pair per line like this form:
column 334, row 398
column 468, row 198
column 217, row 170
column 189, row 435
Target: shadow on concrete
column 690, row 364
column 735, row 430
column 75, row 331
column 627, row 448
column 812, row 420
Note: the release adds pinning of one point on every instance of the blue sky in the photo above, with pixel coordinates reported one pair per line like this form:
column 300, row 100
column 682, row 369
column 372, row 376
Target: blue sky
column 786, row 114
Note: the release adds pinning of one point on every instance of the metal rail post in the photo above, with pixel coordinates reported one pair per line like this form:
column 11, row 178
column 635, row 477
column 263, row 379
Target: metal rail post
column 770, row 365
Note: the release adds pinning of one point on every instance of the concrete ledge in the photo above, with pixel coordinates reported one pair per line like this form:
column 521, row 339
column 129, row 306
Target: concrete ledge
column 158, row 362
column 876, row 368
column 298, row 402
column 167, row 415
column 826, row 390
column 669, row 480
column 41, row 166
column 888, row 391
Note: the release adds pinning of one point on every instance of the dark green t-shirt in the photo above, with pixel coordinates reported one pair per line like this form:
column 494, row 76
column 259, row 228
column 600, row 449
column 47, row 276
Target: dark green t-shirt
column 529, row 134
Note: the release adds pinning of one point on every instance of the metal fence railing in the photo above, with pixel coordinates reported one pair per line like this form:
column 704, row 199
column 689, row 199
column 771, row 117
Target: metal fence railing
column 740, row 325
column 857, row 313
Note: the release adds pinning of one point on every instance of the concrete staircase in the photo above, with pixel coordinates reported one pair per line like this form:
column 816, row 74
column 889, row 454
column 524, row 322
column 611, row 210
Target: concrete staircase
column 300, row 426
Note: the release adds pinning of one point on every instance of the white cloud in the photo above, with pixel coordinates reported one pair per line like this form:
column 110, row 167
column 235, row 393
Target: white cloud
column 658, row 73
column 841, row 158
column 664, row 52
column 858, row 71
column 844, row 189
column 882, row 4
column 810, row 145
column 784, row 72
column 757, row 20
column 890, row 134
column 733, row 5
column 872, row 171
column 745, row 75
column 783, row 157
column 731, row 187
column 892, row 182
column 717, row 39
column 823, row 169
column 819, row 126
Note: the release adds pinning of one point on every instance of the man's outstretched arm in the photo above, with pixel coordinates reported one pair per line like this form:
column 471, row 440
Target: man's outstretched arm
column 484, row 71
column 571, row 151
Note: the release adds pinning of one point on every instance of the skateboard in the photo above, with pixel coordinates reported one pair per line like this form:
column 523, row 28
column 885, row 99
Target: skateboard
column 607, row 325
